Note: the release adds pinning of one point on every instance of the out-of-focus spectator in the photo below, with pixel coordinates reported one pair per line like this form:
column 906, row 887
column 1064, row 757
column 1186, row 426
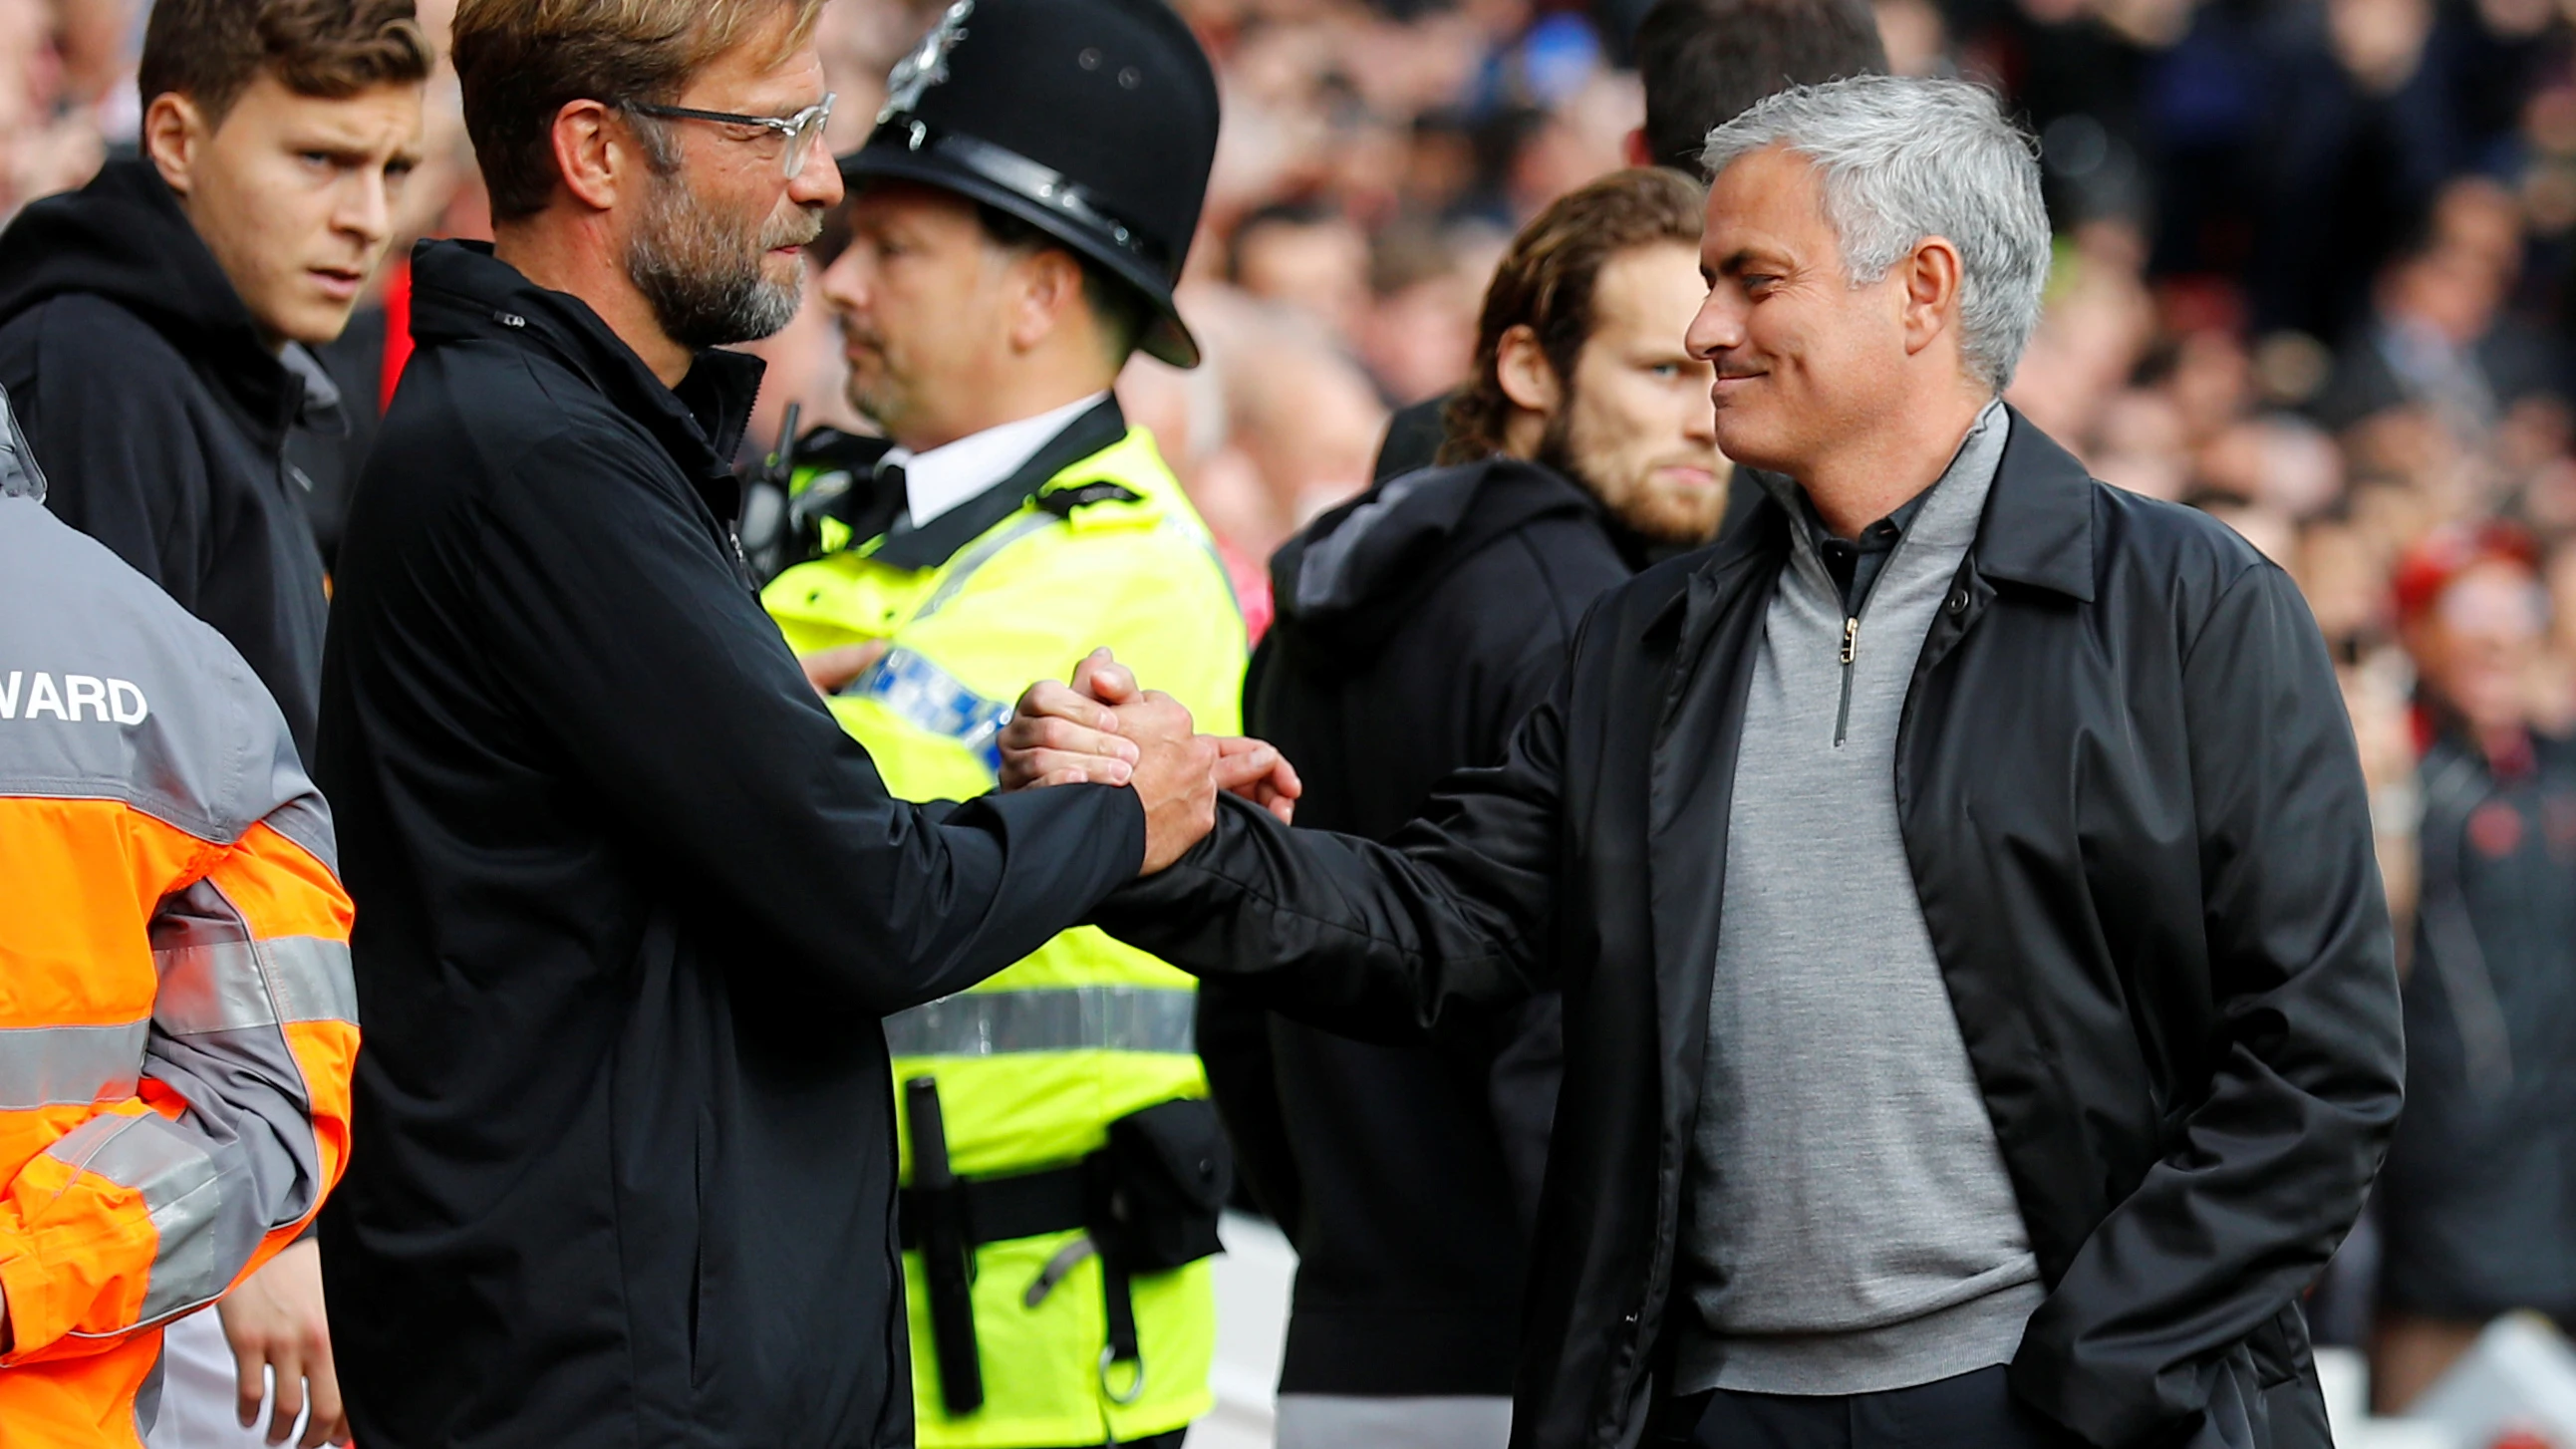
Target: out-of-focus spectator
column 1306, row 258
column 1703, row 62
column 1304, row 417
column 2436, row 339
column 2478, row 1202
column 51, row 61
column 1917, row 37
column 1420, row 326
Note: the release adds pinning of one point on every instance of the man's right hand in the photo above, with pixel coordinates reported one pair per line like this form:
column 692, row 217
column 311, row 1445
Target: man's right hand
column 1064, row 735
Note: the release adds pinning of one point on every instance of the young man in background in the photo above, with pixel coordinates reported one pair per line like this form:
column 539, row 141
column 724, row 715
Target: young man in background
column 143, row 325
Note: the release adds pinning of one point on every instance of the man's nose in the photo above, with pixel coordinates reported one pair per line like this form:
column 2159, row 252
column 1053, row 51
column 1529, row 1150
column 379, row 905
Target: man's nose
column 818, row 181
column 366, row 209
column 845, row 287
column 1717, row 327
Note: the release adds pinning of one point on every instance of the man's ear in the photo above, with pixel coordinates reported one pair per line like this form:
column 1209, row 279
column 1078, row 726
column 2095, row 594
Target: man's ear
column 1527, row 378
column 595, row 155
column 1640, row 151
column 1931, row 274
column 1049, row 294
column 174, row 136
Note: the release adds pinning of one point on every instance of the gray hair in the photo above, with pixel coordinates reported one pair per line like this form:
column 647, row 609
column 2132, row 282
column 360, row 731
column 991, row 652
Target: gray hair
column 1901, row 159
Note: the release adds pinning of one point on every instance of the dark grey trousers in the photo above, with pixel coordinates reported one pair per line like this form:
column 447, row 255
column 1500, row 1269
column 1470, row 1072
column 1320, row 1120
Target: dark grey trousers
column 1972, row 1411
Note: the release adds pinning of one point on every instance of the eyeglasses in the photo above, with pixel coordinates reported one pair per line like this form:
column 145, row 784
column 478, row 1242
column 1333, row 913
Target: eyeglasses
column 800, row 129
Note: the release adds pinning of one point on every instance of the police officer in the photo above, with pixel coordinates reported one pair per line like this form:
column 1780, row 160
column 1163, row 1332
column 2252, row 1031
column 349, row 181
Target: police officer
column 1016, row 223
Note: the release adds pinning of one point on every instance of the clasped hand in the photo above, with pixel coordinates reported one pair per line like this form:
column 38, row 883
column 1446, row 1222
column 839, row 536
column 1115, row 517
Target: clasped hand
column 1103, row 729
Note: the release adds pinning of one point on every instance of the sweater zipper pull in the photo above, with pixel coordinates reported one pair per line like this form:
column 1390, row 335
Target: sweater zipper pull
column 1850, row 652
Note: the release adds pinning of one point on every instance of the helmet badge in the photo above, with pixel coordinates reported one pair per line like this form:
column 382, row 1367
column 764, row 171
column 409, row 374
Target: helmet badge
column 926, row 64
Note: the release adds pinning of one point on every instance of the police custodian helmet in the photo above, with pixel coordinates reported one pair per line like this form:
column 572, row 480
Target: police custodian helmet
column 1093, row 120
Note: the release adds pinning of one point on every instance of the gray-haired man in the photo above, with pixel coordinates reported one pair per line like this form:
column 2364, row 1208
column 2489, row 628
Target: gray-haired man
column 1979, row 1012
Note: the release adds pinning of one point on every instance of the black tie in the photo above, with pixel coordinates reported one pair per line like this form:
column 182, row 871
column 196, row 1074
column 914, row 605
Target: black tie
column 890, row 486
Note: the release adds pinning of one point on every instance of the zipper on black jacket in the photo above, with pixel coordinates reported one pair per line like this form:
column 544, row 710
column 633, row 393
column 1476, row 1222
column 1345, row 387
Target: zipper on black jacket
column 1850, row 652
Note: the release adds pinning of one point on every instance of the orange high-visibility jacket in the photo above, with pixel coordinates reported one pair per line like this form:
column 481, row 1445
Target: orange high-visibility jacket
column 177, row 1022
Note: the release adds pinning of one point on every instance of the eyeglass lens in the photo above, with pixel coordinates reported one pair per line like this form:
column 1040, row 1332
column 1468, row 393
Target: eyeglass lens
column 804, row 129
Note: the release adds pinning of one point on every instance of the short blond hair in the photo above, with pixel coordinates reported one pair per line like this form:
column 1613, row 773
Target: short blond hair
column 519, row 62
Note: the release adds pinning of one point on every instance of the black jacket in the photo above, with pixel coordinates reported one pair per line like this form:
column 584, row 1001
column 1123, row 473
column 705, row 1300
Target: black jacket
column 1416, row 625
column 162, row 419
column 2139, row 833
column 630, row 907
column 2477, row 1211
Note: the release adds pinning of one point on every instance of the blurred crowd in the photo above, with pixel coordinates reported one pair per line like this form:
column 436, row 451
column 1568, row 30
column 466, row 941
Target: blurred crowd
column 2315, row 273
column 2316, row 255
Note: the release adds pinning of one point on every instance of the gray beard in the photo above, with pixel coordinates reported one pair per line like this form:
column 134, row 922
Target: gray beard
column 703, row 277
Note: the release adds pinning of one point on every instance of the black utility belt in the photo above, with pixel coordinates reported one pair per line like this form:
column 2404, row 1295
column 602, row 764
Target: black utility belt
column 1148, row 1202
column 998, row 1209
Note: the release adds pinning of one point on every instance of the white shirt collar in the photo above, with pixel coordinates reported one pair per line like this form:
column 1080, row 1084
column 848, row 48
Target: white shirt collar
column 939, row 480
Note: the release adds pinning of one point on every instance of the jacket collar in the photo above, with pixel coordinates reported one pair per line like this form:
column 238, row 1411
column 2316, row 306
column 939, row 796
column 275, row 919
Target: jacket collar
column 462, row 292
column 2037, row 529
column 937, row 541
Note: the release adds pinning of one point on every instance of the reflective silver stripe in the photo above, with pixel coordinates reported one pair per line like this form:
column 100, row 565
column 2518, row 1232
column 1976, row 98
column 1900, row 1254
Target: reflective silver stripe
column 1062, row 1019
column 312, row 979
column 70, row 1066
column 238, row 985
column 979, row 556
column 180, row 1189
column 1207, row 545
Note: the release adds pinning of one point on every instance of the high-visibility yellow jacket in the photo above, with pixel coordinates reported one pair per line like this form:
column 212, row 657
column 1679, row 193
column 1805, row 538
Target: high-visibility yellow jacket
column 1093, row 543
column 177, row 1023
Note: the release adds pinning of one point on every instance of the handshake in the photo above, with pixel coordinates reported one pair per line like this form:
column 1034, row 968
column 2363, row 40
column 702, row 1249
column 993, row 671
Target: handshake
column 1103, row 730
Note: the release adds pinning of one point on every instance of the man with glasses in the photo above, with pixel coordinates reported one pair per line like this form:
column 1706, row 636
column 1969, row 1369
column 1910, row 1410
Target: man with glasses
column 633, row 904
column 1001, row 268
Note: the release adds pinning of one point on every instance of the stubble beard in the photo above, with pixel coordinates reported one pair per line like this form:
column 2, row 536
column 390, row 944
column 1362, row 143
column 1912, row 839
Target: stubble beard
column 704, row 272
column 1655, row 514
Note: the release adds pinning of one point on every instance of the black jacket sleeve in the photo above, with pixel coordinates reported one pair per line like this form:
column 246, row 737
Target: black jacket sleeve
column 1345, row 933
column 632, row 641
column 2268, row 1169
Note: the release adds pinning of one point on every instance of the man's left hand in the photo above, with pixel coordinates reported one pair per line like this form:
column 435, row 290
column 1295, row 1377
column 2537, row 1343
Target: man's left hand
column 1256, row 771
column 275, row 1320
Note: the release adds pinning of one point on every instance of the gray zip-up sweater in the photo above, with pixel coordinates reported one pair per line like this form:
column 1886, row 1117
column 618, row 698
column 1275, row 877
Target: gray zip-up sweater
column 1851, row 1226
